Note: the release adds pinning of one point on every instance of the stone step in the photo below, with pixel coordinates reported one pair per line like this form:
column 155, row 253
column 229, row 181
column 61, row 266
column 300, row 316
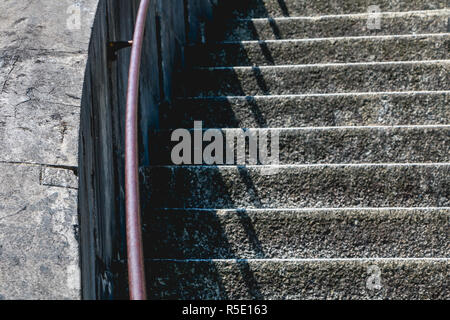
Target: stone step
column 397, row 23
column 304, row 186
column 416, row 108
column 381, row 144
column 284, row 233
column 341, row 50
column 299, row 279
column 323, row 78
column 289, row 8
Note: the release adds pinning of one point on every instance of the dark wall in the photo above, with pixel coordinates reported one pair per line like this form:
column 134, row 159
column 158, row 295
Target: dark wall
column 171, row 24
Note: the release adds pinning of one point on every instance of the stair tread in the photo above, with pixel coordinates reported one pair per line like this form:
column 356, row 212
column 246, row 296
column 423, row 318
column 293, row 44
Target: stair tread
column 286, row 8
column 293, row 233
column 315, row 145
column 319, row 78
column 337, row 50
column 297, row 186
column 406, row 108
column 341, row 279
column 402, row 23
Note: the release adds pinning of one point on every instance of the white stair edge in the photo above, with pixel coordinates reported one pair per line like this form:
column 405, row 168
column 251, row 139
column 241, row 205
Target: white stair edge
column 325, row 65
column 436, row 12
column 377, row 37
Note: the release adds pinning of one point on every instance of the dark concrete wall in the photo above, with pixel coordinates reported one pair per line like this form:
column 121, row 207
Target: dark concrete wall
column 170, row 26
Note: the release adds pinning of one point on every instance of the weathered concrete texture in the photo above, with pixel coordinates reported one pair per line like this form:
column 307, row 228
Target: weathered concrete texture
column 27, row 25
column 42, row 63
column 262, row 53
column 297, row 186
column 38, row 233
column 309, row 111
column 56, row 77
column 335, row 145
column 265, row 234
column 40, row 107
column 56, row 177
column 289, row 8
column 300, row 79
column 336, row 26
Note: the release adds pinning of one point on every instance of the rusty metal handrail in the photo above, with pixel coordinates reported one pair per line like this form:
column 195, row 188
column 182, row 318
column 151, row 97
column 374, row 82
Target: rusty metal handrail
column 136, row 272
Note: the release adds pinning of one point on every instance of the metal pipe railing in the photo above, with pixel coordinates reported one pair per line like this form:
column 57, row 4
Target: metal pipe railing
column 135, row 254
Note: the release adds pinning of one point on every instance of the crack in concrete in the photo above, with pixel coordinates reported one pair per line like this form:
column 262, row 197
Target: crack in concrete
column 9, row 73
column 14, row 214
column 58, row 186
column 74, row 169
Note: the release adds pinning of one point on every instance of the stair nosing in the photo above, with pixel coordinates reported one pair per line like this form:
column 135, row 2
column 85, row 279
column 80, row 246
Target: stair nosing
column 322, row 128
column 436, row 12
column 306, row 95
column 311, row 210
column 315, row 165
column 324, row 39
column 323, row 65
column 379, row 259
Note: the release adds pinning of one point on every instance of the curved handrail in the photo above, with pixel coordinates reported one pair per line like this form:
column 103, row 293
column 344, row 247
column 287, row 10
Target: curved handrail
column 136, row 273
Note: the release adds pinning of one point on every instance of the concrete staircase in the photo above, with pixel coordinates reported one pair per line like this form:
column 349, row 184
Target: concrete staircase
column 359, row 206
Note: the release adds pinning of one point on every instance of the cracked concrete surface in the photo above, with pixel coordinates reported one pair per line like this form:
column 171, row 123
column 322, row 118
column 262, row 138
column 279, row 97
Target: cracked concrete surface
column 42, row 64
